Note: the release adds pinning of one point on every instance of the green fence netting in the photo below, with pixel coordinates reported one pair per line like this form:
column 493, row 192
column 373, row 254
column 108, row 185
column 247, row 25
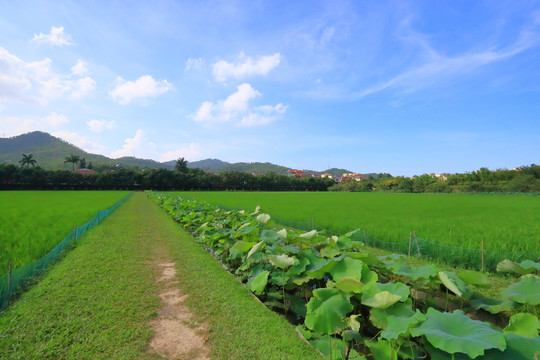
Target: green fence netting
column 12, row 281
column 452, row 255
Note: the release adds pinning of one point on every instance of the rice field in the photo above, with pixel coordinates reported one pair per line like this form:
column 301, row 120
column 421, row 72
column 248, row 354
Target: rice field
column 505, row 223
column 33, row 222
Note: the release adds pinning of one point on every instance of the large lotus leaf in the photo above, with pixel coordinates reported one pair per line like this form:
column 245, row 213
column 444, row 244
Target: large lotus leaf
column 525, row 291
column 327, row 310
column 517, row 348
column 396, row 320
column 258, row 283
column 530, row 266
column 320, row 266
column 523, row 324
column 281, row 261
column 269, row 236
column 255, row 248
column 241, row 247
column 367, row 278
column 280, row 278
column 474, row 278
column 525, row 267
column 453, row 283
column 299, row 268
column 331, row 347
column 309, row 235
column 368, row 259
column 257, row 209
column 354, row 355
column 382, row 350
column 457, row 333
column 493, row 306
column 246, row 230
column 263, row 218
column 382, row 296
column 290, row 249
column 347, row 268
column 283, row 233
column 381, row 300
column 330, row 251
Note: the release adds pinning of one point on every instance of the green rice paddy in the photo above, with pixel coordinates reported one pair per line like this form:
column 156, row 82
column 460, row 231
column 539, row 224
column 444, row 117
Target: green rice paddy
column 505, row 223
column 33, row 222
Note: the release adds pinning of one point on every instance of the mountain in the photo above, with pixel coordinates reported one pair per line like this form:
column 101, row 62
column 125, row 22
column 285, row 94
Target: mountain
column 50, row 153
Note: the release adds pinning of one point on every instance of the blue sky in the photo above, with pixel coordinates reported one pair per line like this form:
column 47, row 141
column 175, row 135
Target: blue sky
column 405, row 87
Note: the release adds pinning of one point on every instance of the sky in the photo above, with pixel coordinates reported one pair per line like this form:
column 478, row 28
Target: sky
column 401, row 87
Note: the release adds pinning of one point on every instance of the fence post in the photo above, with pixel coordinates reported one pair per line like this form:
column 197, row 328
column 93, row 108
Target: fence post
column 410, row 239
column 10, row 271
column 417, row 247
column 482, row 247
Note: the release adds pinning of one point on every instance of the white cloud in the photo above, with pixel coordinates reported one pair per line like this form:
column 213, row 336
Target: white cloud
column 263, row 115
column 35, row 82
column 82, row 87
column 80, row 68
column 57, row 37
column 98, row 126
column 56, row 119
column 192, row 63
column 237, row 106
column 223, row 70
column 82, row 142
column 137, row 146
column 190, row 152
column 145, row 86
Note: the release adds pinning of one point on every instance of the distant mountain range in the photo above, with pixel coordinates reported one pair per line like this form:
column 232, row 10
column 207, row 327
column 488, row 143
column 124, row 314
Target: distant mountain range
column 50, row 153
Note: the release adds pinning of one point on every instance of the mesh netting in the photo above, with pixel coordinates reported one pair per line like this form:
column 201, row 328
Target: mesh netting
column 13, row 281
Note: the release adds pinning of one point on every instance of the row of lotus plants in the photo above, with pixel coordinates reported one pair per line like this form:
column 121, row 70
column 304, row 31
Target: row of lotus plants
column 351, row 304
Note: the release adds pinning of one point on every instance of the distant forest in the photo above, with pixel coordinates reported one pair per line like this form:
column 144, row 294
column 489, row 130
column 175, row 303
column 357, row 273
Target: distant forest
column 525, row 179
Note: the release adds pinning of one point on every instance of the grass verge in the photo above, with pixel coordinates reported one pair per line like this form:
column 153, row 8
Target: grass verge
column 98, row 301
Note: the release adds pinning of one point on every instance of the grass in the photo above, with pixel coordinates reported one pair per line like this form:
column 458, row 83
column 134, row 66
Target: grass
column 98, row 301
column 505, row 223
column 33, row 222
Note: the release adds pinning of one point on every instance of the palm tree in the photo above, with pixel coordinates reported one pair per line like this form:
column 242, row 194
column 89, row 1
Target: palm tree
column 72, row 159
column 27, row 160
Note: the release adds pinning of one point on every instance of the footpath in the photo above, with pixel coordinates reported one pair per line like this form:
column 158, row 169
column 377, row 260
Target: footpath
column 138, row 287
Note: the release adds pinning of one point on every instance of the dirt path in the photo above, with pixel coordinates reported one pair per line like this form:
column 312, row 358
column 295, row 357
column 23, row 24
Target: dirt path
column 177, row 333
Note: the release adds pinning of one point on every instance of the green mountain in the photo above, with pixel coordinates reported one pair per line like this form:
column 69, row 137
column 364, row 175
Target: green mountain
column 50, row 153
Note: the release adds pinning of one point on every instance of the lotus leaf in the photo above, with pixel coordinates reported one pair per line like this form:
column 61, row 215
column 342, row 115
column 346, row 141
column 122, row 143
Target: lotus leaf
column 457, row 333
column 453, row 282
column 305, row 332
column 353, row 323
column 281, row 261
column 530, row 265
column 396, row 320
column 300, row 267
column 255, row 248
column 280, row 278
column 309, row 235
column 354, row 355
column 523, row 324
column 258, row 283
column 263, row 218
column 347, row 268
column 381, row 300
column 269, row 236
column 257, row 209
column 326, row 311
column 525, row 291
column 290, row 249
column 283, row 233
column 330, row 251
column 382, row 350
column 474, row 278
column 511, row 266
column 241, row 247
column 517, row 348
column 493, row 306
column 331, row 347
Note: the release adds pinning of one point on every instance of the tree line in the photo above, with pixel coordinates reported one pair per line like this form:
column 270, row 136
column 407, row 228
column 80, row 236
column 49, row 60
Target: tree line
column 181, row 178
column 523, row 179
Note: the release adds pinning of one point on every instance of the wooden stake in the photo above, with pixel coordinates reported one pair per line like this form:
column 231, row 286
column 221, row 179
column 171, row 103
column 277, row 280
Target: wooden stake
column 410, row 239
column 482, row 247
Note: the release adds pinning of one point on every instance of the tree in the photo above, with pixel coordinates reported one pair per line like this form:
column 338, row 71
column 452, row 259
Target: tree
column 27, row 160
column 72, row 159
column 90, row 166
column 82, row 163
column 181, row 165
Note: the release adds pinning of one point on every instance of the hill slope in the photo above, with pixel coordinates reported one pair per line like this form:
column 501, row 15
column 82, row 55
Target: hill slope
column 50, row 153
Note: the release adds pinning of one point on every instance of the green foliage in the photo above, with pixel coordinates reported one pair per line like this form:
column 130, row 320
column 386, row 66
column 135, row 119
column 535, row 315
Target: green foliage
column 343, row 295
column 526, row 291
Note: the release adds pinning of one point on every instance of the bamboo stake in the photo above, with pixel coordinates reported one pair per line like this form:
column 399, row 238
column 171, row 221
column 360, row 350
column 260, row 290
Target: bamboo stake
column 482, row 246
column 410, row 239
